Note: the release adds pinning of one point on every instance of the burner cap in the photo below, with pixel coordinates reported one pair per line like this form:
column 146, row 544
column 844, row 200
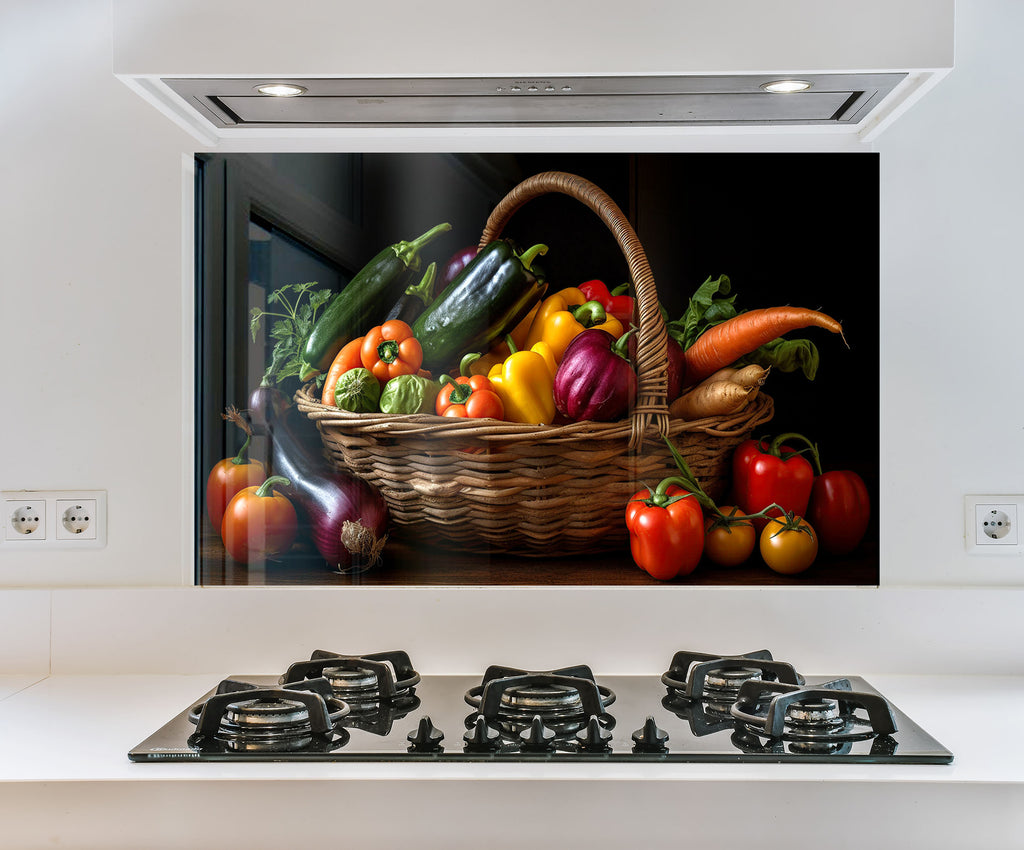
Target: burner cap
column 266, row 714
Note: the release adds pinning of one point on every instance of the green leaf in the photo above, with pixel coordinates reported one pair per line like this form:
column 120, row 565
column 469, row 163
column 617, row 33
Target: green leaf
column 319, row 298
column 787, row 355
column 710, row 305
column 254, row 321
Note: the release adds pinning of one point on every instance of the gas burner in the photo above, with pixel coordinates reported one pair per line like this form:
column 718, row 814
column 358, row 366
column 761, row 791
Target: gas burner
column 813, row 717
column 364, row 681
column 717, row 679
column 564, row 700
column 243, row 717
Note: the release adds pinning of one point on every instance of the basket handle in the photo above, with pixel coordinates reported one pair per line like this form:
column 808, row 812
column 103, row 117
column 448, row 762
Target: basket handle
column 652, row 337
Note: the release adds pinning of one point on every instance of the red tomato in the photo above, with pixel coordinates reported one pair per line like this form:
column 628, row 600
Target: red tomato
column 228, row 477
column 666, row 539
column 840, row 509
column 788, row 545
column 259, row 522
column 728, row 544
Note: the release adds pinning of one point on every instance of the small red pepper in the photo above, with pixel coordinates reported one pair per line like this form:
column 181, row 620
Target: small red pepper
column 619, row 306
column 469, row 396
column 666, row 529
column 764, row 473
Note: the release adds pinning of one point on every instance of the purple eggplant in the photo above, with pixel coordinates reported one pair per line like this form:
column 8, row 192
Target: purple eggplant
column 348, row 518
column 456, row 263
column 595, row 379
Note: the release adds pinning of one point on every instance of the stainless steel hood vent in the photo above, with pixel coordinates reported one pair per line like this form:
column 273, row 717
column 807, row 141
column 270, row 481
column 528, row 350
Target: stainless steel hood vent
column 644, row 101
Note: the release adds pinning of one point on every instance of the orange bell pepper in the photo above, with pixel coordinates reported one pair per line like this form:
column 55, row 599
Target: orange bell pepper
column 390, row 350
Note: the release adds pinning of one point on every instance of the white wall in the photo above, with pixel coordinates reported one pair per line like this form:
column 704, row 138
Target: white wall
column 93, row 344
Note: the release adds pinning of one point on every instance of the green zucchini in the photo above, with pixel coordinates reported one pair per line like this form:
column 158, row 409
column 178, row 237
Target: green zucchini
column 364, row 301
column 486, row 300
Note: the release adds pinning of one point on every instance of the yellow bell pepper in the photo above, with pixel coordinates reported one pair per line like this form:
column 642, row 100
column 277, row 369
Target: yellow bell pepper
column 557, row 303
column 560, row 328
column 525, row 383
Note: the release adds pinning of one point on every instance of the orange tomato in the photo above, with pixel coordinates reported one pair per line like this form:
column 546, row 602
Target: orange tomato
column 728, row 544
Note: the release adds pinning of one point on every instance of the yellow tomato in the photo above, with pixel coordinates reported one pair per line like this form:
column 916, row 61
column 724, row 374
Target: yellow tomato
column 789, row 546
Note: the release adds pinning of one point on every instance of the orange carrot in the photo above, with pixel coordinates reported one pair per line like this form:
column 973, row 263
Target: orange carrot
column 725, row 343
column 347, row 358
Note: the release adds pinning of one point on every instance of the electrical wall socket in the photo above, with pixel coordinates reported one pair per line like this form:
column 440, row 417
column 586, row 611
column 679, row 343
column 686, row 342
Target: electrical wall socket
column 991, row 525
column 54, row 519
column 25, row 519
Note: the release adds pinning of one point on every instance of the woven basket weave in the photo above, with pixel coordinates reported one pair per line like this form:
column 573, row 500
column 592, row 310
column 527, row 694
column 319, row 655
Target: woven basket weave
column 480, row 485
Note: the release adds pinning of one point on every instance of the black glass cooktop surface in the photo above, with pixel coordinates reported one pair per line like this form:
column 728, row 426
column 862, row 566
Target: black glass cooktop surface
column 565, row 715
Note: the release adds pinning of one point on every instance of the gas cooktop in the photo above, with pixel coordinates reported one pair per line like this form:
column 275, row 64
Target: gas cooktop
column 704, row 708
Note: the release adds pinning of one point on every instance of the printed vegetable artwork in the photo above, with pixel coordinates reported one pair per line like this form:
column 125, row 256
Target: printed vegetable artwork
column 259, row 522
column 364, row 301
column 232, row 474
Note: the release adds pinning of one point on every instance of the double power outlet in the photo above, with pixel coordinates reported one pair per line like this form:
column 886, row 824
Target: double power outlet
column 57, row 519
column 992, row 525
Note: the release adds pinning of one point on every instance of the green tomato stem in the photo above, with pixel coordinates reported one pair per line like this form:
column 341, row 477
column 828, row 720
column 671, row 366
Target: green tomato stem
column 776, row 448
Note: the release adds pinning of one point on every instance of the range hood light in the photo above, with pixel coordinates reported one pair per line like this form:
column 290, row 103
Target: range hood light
column 280, row 89
column 786, row 86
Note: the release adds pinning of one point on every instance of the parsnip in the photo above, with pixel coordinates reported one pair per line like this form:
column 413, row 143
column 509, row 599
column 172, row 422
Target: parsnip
column 749, row 376
column 711, row 398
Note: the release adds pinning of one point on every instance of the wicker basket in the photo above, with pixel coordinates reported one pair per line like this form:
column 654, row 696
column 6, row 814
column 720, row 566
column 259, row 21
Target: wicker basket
column 487, row 486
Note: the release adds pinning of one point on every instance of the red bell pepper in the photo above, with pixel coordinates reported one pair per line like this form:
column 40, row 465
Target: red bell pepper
column 839, row 510
column 764, row 473
column 619, row 306
column 666, row 529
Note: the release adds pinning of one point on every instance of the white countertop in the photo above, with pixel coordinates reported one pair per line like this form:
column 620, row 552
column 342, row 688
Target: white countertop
column 63, row 751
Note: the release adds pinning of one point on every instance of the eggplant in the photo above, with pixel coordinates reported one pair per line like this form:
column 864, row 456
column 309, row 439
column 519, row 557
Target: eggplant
column 456, row 263
column 595, row 379
column 347, row 517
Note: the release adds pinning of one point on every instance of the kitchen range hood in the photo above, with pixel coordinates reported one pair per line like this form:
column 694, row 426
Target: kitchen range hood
column 315, row 68
column 542, row 101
